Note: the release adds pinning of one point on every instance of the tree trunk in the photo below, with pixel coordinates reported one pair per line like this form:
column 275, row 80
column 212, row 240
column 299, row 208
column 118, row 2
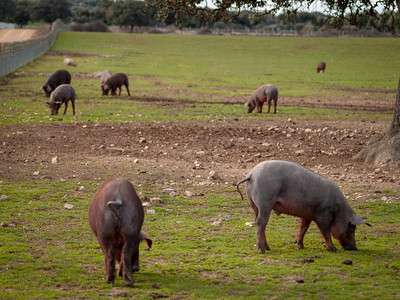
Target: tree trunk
column 385, row 150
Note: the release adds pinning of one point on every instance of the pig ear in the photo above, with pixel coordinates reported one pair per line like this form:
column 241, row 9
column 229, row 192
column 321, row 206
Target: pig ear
column 142, row 237
column 247, row 103
column 355, row 220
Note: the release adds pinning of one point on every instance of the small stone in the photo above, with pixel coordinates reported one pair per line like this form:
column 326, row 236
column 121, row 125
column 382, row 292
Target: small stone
column 146, row 204
column 26, row 228
column 4, row 197
column 36, row 173
column 55, row 160
column 251, row 224
column 299, row 152
column 266, row 144
column 142, row 140
column 156, row 200
column 81, row 188
column 69, row 206
column 226, row 218
column 12, row 225
column 168, row 191
column 213, row 175
column 3, row 224
column 136, row 161
column 70, row 62
column 216, row 223
column 151, row 211
column 200, row 153
column 189, row 193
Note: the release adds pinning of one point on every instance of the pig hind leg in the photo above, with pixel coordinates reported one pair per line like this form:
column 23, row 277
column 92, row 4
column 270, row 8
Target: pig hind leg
column 129, row 248
column 303, row 227
column 109, row 261
column 261, row 220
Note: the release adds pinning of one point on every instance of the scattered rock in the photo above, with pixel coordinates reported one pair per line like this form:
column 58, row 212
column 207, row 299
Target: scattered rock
column 55, row 160
column 4, row 197
column 69, row 206
column 200, row 153
column 156, row 200
column 216, row 223
column 26, row 228
column 251, row 224
column 3, row 224
column 213, row 175
column 168, row 191
column 151, row 211
column 136, row 161
column 142, row 140
column 226, row 218
column 36, row 173
column 146, row 204
column 70, row 62
column 81, row 188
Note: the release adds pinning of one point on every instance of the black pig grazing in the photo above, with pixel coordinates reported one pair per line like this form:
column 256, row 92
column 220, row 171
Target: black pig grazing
column 321, row 67
column 62, row 94
column 288, row 188
column 113, row 82
column 55, row 79
column 116, row 217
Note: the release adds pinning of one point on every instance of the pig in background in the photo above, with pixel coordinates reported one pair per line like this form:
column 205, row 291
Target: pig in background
column 62, row 94
column 266, row 93
column 104, row 75
column 321, row 67
column 55, row 79
column 113, row 82
column 116, row 217
column 288, row 188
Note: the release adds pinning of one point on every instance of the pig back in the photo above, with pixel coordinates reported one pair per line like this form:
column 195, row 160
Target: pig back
column 127, row 218
column 290, row 183
column 117, row 80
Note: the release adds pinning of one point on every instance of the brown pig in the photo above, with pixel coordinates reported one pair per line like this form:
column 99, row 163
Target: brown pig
column 288, row 188
column 116, row 217
column 265, row 93
column 321, row 67
column 55, row 79
column 113, row 82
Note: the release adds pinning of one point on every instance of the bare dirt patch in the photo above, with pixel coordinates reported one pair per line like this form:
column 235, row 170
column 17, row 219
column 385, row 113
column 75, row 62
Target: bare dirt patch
column 185, row 152
column 13, row 35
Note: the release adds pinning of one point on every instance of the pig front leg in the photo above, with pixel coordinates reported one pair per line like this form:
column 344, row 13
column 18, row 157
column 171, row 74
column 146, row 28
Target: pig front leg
column 65, row 108
column 127, row 88
column 324, row 228
column 303, row 227
column 260, row 106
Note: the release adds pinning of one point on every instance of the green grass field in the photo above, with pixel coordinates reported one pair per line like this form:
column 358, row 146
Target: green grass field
column 56, row 254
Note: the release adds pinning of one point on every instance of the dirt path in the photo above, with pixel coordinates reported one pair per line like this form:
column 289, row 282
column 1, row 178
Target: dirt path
column 12, row 35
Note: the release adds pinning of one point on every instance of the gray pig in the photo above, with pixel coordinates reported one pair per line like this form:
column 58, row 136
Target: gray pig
column 321, row 67
column 265, row 93
column 104, row 75
column 113, row 82
column 62, row 94
column 55, row 79
column 289, row 188
column 116, row 217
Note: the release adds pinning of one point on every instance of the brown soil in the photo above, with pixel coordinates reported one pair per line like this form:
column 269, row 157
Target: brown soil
column 13, row 35
column 184, row 153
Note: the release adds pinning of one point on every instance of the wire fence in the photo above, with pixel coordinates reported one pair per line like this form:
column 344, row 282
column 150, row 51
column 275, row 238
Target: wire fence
column 16, row 54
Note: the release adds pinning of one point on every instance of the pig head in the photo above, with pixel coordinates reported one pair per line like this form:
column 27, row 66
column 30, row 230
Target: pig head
column 288, row 188
column 116, row 217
